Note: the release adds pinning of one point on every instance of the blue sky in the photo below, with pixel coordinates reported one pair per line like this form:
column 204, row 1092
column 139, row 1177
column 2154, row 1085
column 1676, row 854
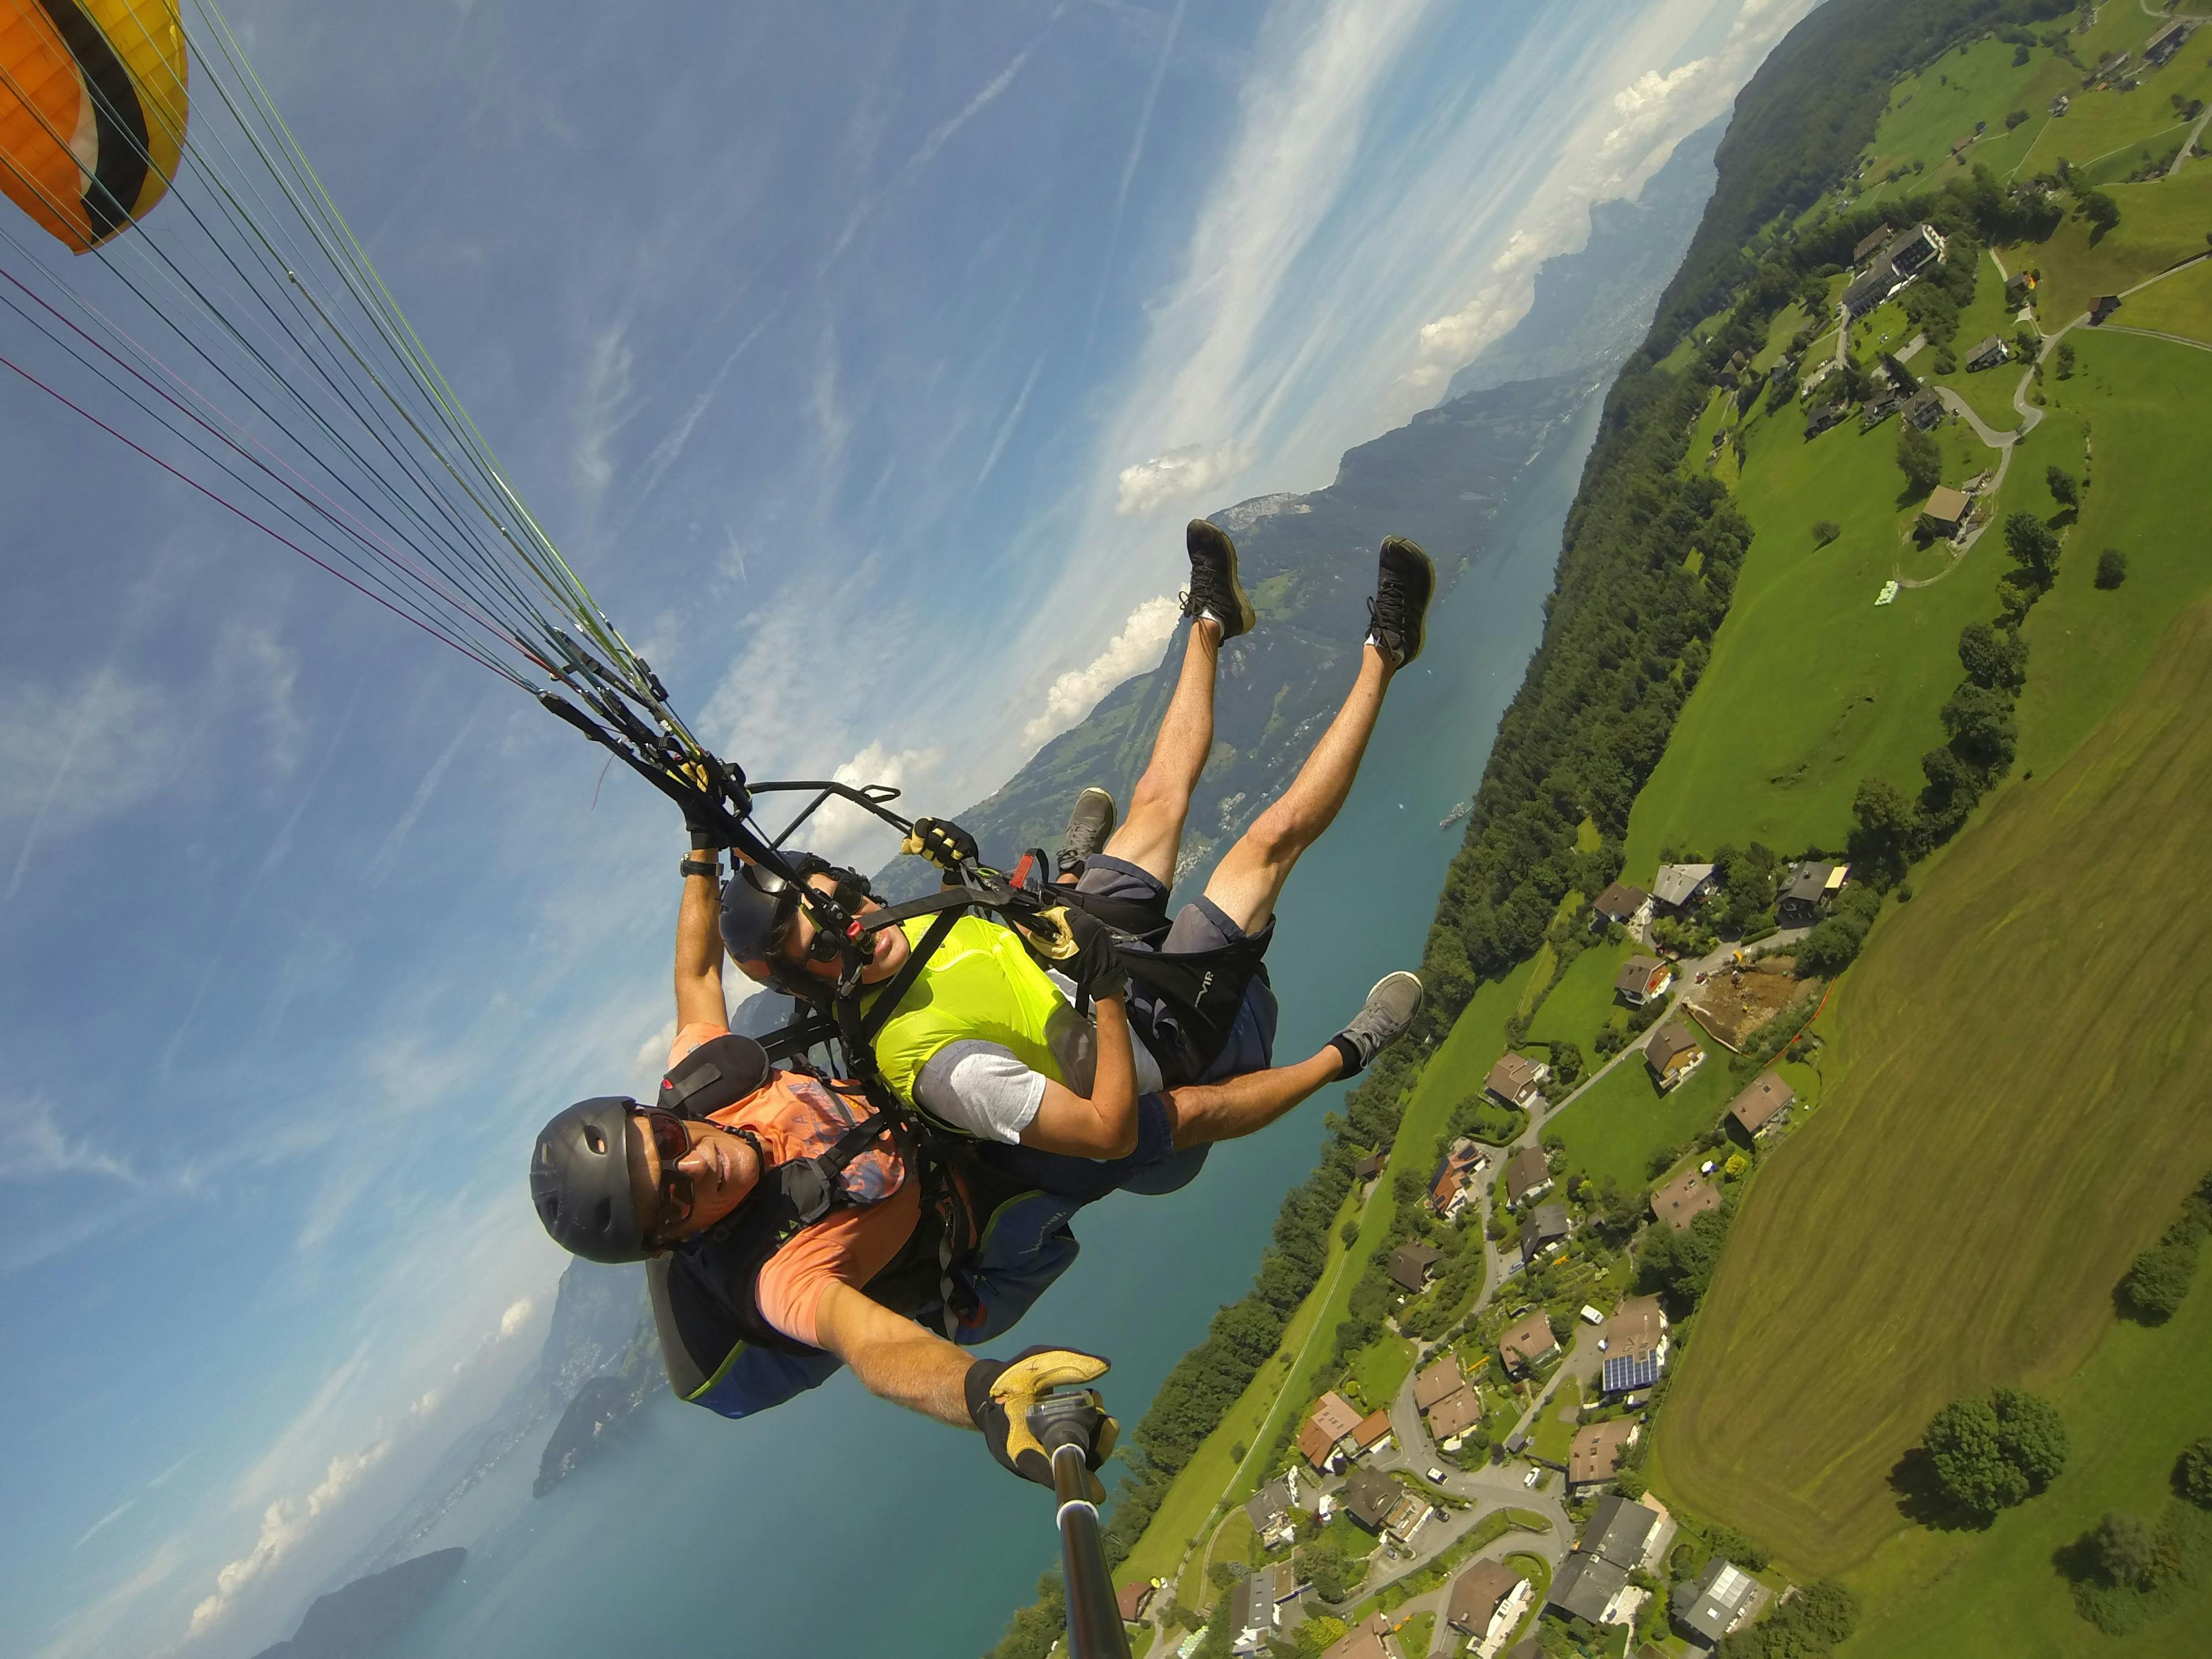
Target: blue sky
column 865, row 360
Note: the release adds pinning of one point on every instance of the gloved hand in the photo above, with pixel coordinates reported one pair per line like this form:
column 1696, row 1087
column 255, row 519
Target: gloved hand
column 945, row 845
column 704, row 834
column 1000, row 1393
column 1096, row 966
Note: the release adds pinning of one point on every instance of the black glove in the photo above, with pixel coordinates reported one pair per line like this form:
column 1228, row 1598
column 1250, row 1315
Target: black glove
column 1000, row 1393
column 1097, row 965
column 703, row 834
column 945, row 845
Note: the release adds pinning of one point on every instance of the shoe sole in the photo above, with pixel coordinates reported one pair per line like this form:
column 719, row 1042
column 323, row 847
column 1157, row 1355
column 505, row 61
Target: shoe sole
column 1113, row 813
column 1246, row 616
column 1420, row 990
column 1421, row 622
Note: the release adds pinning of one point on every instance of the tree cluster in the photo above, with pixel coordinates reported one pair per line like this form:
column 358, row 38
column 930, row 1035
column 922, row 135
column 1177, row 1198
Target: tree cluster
column 1810, row 1625
column 1990, row 1452
column 2158, row 1280
column 1679, row 1265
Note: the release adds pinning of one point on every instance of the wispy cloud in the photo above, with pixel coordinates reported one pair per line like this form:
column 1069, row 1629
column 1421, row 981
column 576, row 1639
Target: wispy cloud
column 1129, row 171
column 387, row 854
column 1195, row 472
column 1136, row 648
column 104, row 1523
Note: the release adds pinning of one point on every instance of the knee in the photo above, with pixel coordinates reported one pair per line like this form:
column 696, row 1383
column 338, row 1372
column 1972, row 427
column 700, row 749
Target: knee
column 1155, row 794
column 1276, row 837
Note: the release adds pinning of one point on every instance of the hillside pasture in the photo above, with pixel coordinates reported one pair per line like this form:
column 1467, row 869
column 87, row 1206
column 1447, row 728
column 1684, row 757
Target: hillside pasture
column 1989, row 392
column 2160, row 225
column 2180, row 304
column 1583, row 1001
column 1615, row 1128
column 2019, row 1110
column 1812, row 686
column 2150, row 404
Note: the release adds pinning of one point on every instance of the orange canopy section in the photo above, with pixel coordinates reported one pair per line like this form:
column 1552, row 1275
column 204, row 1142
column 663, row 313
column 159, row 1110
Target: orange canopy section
column 92, row 112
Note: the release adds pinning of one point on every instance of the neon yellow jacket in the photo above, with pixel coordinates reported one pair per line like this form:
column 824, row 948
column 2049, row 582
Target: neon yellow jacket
column 982, row 984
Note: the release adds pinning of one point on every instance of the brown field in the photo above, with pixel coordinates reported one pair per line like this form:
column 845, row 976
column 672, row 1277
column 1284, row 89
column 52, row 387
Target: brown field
column 1733, row 1005
column 2022, row 1103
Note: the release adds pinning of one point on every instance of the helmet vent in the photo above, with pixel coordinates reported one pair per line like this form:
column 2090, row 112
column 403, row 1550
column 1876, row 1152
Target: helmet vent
column 595, row 1138
column 603, row 1215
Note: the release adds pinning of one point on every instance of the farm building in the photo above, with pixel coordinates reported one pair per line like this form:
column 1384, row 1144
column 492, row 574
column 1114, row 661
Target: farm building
column 1369, row 1166
column 1628, row 906
column 1547, row 1226
column 1527, row 1176
column 1871, row 244
column 1515, row 1080
column 2163, row 45
column 1486, row 1602
column 1680, row 887
column 1753, row 1112
column 1642, row 979
column 1672, row 1055
column 1529, row 1344
column 2060, row 104
column 1594, row 1456
column 2103, row 307
column 1135, row 1599
column 1947, row 510
column 1411, row 1264
column 1683, row 1200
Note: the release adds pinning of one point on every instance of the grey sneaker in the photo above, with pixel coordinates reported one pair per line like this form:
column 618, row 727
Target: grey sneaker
column 1398, row 615
column 1389, row 1009
column 1088, row 828
column 1214, row 590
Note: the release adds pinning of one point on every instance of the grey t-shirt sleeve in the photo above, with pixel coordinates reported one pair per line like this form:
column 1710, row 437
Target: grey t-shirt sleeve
column 981, row 1088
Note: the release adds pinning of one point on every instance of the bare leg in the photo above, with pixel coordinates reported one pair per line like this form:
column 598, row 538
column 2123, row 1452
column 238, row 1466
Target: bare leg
column 1243, row 1105
column 1152, row 835
column 1250, row 877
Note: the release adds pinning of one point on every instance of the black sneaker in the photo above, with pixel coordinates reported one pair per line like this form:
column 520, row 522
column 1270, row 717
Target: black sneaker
column 1088, row 828
column 1389, row 1009
column 1214, row 590
column 1398, row 615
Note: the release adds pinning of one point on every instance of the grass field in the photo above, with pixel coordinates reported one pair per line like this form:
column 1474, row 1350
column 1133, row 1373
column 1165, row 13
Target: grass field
column 1380, row 1367
column 2018, row 1112
column 1581, row 1002
column 1989, row 393
column 1936, row 1594
column 2149, row 406
column 1554, row 1433
column 1811, row 687
column 1614, row 1129
column 2182, row 304
column 1291, row 1377
column 2161, row 224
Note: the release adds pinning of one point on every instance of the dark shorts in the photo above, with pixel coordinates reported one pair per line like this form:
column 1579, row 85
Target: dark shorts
column 1231, row 1032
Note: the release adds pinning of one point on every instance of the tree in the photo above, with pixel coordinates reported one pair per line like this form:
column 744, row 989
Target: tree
column 2132, row 1554
column 1323, row 1563
column 1991, row 658
column 1881, row 830
column 2031, row 1435
column 1980, row 724
column 2158, row 1283
column 2064, row 488
column 2100, row 210
column 2192, row 1473
column 2111, row 568
column 2064, row 358
column 1318, row 1635
column 1825, row 531
column 1969, row 1459
column 2018, row 115
column 2032, row 545
column 1566, row 1063
column 1920, row 460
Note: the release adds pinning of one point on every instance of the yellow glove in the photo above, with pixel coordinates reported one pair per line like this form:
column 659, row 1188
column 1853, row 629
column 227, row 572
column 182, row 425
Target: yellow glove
column 947, row 846
column 1001, row 1392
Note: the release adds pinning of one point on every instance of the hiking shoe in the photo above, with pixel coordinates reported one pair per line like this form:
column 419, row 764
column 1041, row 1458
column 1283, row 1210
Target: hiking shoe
column 1214, row 590
column 1088, row 827
column 1398, row 615
column 1389, row 1009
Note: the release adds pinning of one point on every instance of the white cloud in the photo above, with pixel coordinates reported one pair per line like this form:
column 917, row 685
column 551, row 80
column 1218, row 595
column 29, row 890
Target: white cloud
column 515, row 1317
column 652, row 1053
column 1181, row 474
column 1134, row 649
column 35, row 1146
column 284, row 1523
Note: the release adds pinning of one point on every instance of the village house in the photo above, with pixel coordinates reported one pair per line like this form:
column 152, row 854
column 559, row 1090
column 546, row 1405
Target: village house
column 1486, row 1602
column 1369, row 1166
column 1546, row 1225
column 1515, row 1079
column 2017, row 286
column 1135, row 1601
column 1593, row 1583
column 1454, row 1415
column 1412, row 1263
column 1455, row 1182
column 1529, row 1344
column 1255, row 1615
column 1989, row 354
column 1871, row 244
column 1527, row 1174
column 1439, row 1382
column 1683, row 1200
column 1811, row 886
column 1642, row 980
column 1628, row 906
column 1373, row 1433
column 1672, row 1055
column 1825, row 416
column 1896, row 265
column 1680, row 887
column 1925, row 410
column 1634, row 1344
column 1946, row 510
column 1269, row 1509
column 1328, row 1429
column 1879, row 410
column 1371, row 1639
column 1595, row 1454
column 2163, row 45
column 1380, row 1505
column 2060, row 104
column 1753, row 1112
column 1726, row 1599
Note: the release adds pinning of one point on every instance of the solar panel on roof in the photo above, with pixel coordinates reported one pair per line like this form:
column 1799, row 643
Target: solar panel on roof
column 1627, row 1371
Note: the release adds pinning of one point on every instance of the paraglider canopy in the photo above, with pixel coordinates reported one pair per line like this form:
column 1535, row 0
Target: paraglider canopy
column 92, row 112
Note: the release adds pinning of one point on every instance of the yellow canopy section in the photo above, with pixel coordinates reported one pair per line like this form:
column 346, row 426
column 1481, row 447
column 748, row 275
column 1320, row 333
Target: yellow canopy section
column 92, row 112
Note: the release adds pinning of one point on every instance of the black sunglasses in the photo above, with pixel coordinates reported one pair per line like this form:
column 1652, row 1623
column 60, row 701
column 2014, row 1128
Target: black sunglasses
column 672, row 1142
column 824, row 945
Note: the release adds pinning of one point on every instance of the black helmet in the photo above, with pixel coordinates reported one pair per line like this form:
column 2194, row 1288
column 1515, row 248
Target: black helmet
column 757, row 907
column 579, row 1181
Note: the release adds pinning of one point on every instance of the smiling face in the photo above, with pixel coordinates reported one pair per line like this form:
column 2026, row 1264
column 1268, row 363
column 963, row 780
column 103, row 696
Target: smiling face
column 721, row 1168
column 890, row 944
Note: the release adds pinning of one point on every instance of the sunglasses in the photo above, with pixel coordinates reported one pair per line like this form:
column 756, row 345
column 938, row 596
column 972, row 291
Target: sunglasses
column 672, row 1142
column 823, row 946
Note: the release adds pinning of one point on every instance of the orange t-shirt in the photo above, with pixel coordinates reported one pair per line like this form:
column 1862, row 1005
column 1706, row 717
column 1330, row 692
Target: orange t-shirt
column 850, row 1245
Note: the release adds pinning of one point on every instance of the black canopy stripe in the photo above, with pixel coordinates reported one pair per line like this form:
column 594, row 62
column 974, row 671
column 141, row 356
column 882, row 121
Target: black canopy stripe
column 110, row 194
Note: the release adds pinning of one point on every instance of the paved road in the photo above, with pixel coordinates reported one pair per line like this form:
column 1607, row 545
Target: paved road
column 2154, row 334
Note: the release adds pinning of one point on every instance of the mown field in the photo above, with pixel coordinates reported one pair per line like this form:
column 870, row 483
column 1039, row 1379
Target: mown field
column 2160, row 225
column 2017, row 1111
column 1614, row 1129
column 2129, row 1410
column 2181, row 304
column 1811, row 686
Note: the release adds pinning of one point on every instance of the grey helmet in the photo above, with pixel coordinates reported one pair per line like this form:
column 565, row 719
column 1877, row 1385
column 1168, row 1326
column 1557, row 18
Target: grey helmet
column 579, row 1181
